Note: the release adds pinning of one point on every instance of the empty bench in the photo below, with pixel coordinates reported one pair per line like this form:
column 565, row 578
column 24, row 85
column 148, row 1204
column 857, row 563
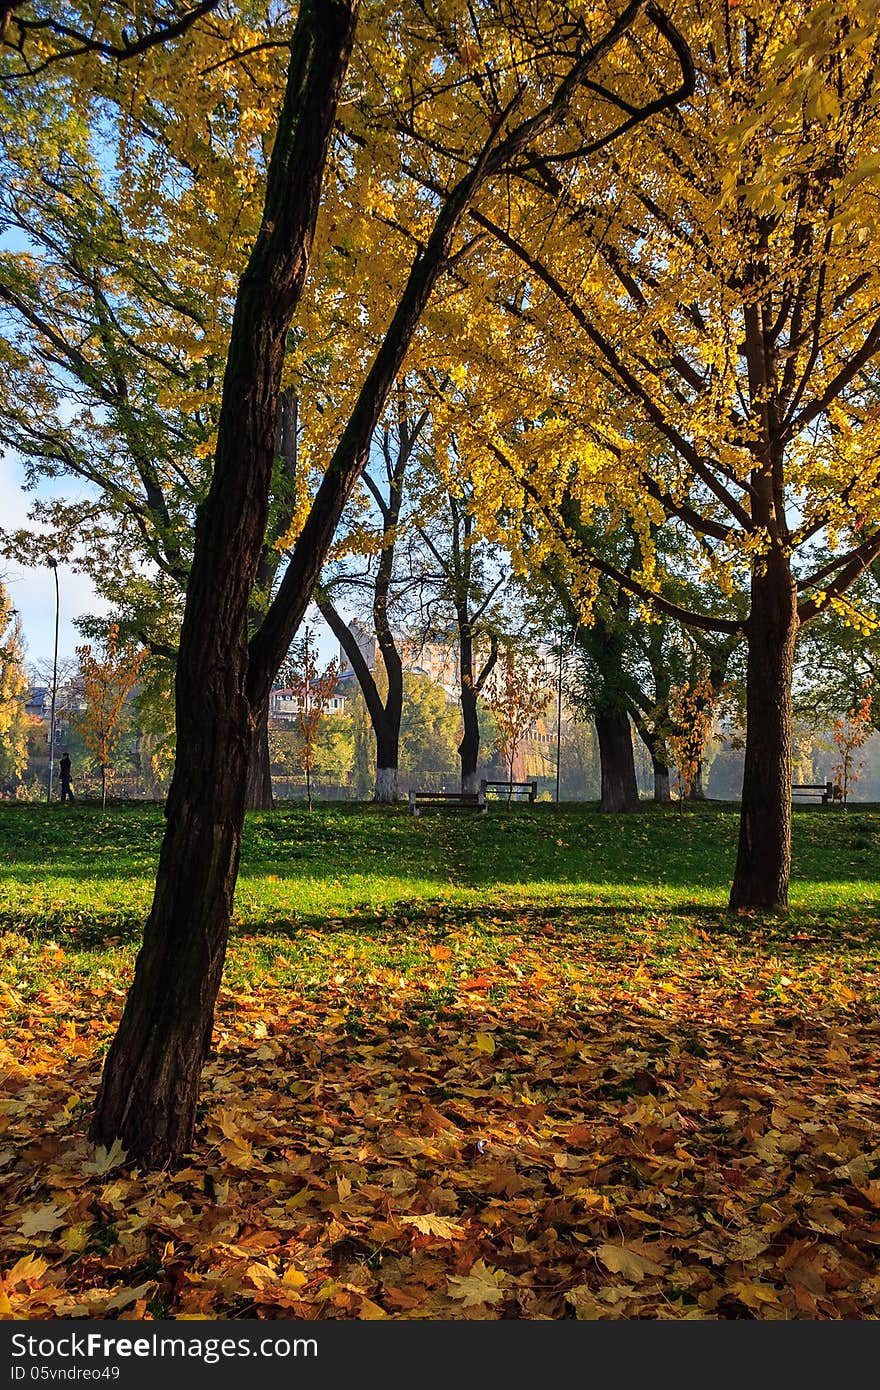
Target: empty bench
column 508, row 789
column 462, row 800
column 823, row 790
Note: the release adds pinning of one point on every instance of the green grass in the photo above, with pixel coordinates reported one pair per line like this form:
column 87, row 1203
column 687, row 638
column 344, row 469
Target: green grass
column 353, row 882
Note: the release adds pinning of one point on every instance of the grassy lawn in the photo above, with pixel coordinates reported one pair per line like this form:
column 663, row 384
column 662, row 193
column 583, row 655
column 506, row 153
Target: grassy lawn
column 506, row 1066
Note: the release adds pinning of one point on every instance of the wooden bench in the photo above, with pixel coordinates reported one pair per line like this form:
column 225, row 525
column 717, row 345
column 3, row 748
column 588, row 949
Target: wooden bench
column 509, row 789
column 823, row 790
column 461, row 800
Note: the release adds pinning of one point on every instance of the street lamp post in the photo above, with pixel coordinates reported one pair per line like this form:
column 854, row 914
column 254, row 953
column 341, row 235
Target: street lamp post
column 54, row 566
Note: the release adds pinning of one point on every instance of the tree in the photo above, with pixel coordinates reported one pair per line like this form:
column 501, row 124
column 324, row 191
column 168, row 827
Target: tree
column 13, row 692
column 516, row 694
column 838, row 656
column 149, row 1089
column 466, row 582
column 727, row 299
column 429, row 733
column 113, row 354
column 384, row 706
column 108, row 678
column 598, row 687
column 850, row 734
column 312, row 690
column 692, row 709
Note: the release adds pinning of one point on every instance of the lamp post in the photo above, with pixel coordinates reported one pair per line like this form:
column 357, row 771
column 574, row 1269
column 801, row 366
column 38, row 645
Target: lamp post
column 53, row 563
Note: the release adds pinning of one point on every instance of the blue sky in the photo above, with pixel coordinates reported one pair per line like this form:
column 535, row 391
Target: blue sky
column 33, row 590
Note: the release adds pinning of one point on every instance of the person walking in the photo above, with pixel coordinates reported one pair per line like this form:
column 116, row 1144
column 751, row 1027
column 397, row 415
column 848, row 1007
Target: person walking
column 64, row 769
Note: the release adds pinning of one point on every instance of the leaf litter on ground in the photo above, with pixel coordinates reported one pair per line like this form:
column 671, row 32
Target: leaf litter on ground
column 541, row 1118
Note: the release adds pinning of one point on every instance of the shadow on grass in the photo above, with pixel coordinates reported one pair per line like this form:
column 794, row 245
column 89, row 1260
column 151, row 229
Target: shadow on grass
column 412, row 924
column 567, row 845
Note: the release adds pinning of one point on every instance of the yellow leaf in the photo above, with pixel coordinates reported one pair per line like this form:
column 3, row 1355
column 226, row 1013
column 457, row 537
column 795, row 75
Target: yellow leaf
column 28, row 1267
column 754, row 1295
column 431, row 1224
column 484, row 1042
column 126, row 1296
column 481, row 1285
column 105, row 1158
column 75, row 1238
column 261, row 1275
column 370, row 1311
column 42, row 1220
column 621, row 1259
column 582, row 1300
column 294, row 1278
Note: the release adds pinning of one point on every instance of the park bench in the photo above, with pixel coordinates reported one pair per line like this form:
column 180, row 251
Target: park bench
column 823, row 790
column 461, row 800
column 508, row 789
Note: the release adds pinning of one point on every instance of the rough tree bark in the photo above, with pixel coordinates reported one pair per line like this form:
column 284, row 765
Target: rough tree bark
column 618, row 770
column 695, row 789
column 259, row 795
column 656, row 749
column 763, row 861
column 149, row 1088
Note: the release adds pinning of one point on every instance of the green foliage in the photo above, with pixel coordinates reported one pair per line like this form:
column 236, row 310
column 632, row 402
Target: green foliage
column 429, row 734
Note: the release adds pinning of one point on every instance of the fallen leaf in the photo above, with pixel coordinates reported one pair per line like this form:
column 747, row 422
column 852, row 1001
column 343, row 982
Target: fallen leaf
column 622, row 1259
column 431, row 1224
column 482, row 1284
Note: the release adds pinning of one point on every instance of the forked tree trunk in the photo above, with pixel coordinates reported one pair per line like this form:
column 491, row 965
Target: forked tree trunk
column 149, row 1090
column 763, row 862
column 658, row 755
column 259, row 777
column 620, row 790
column 385, row 715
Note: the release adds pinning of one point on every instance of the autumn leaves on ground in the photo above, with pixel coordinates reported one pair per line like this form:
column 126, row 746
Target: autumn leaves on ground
column 462, row 1068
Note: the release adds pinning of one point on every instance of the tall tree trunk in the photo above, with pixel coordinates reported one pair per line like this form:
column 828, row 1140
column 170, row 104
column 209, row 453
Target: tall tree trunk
column 763, row 862
column 695, row 789
column 259, row 778
column 150, row 1085
column 661, row 781
column 385, row 716
column 149, row 1089
column 656, row 751
column 619, row 787
column 469, row 748
column 387, row 745
column 103, row 788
